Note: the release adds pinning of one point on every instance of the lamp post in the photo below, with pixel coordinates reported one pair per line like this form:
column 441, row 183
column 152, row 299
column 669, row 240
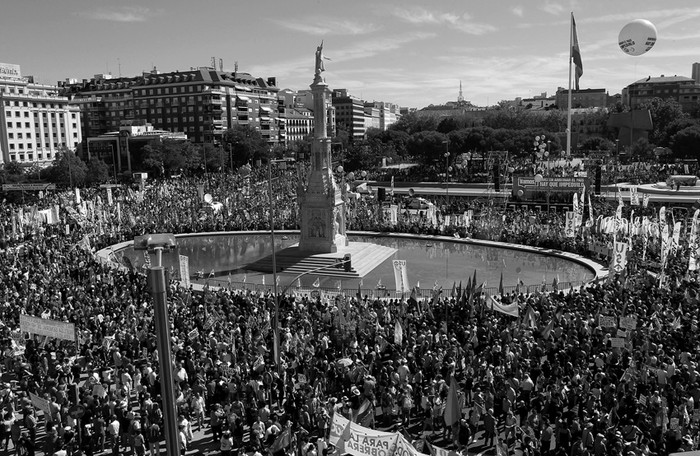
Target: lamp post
column 447, row 171
column 156, row 243
column 274, row 263
column 114, row 162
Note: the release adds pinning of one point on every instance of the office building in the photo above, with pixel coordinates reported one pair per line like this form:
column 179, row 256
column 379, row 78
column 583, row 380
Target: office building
column 349, row 113
column 35, row 122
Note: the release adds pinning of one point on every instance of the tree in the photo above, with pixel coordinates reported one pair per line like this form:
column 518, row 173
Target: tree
column 168, row 157
column 428, row 147
column 663, row 114
column 68, row 169
column 14, row 168
column 414, row 123
column 98, row 172
column 247, row 144
column 686, row 143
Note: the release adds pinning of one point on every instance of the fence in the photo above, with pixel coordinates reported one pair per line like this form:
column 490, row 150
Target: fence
column 421, row 293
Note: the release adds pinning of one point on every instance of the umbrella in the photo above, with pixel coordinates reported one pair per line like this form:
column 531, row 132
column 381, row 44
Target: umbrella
column 344, row 362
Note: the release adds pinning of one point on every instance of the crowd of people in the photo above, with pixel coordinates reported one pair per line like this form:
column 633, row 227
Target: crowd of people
column 558, row 380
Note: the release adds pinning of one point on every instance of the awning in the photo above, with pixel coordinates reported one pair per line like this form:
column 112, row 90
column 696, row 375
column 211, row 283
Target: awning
column 245, row 89
column 264, row 119
column 242, row 98
column 265, row 108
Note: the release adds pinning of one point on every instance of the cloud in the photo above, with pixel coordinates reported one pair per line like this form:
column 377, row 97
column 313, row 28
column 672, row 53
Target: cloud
column 463, row 23
column 319, row 26
column 118, row 14
column 518, row 11
column 553, row 8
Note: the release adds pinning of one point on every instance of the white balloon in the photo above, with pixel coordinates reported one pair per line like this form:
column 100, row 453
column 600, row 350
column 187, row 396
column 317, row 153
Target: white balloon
column 538, row 178
column 637, row 37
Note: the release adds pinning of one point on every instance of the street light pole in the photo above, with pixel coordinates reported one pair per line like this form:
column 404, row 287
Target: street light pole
column 276, row 330
column 447, row 171
column 156, row 243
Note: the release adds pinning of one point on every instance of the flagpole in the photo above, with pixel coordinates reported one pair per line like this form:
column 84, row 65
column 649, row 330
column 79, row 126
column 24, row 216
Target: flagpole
column 568, row 116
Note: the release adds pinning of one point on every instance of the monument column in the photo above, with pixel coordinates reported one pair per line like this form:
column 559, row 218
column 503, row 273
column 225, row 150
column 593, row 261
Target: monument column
column 321, row 205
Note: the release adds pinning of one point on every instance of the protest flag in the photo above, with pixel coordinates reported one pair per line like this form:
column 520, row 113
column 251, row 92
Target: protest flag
column 452, row 409
column 281, row 442
column 547, row 331
column 500, row 285
column 529, row 318
column 398, row 333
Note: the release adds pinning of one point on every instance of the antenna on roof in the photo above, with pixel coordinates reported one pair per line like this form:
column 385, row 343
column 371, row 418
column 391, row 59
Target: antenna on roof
column 221, row 65
column 213, row 62
column 235, row 67
column 119, row 66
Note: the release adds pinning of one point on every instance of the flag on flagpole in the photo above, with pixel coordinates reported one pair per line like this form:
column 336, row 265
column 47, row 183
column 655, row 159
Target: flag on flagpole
column 576, row 52
column 500, row 285
column 317, row 283
column 452, row 409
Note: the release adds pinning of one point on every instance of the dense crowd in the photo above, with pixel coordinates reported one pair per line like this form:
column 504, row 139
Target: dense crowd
column 554, row 382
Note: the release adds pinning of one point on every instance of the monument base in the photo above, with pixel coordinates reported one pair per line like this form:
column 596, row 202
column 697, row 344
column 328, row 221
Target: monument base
column 365, row 256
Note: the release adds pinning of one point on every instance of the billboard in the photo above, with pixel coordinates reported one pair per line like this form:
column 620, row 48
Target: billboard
column 10, row 71
column 527, row 187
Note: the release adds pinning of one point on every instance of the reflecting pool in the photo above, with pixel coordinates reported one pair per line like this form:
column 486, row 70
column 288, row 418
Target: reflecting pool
column 223, row 258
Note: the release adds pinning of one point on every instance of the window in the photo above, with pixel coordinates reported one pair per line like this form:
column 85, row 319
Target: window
column 9, row 124
column 26, row 124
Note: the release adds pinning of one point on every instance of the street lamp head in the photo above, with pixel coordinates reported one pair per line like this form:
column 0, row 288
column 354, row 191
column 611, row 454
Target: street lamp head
column 340, row 169
column 151, row 242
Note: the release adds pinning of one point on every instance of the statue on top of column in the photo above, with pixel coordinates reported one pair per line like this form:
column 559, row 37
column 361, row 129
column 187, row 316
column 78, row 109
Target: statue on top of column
column 320, row 67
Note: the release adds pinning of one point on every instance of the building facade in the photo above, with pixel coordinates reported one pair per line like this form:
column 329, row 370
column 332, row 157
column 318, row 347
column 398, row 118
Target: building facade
column 350, row 113
column 201, row 103
column 122, row 150
column 682, row 89
column 35, row 122
column 584, row 98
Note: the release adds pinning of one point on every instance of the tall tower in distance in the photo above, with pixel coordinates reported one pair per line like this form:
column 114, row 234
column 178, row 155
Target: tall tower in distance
column 696, row 72
column 460, row 97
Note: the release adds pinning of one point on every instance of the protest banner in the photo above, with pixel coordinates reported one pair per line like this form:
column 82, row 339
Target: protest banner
column 49, row 328
column 340, row 429
column 404, row 448
column 363, row 441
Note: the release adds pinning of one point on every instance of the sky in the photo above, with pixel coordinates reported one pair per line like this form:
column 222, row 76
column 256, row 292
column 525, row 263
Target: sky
column 410, row 52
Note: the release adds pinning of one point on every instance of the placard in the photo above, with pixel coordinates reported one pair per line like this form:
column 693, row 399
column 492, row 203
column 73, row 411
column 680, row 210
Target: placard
column 628, row 322
column 40, row 403
column 643, row 400
column 617, row 342
column 607, row 321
